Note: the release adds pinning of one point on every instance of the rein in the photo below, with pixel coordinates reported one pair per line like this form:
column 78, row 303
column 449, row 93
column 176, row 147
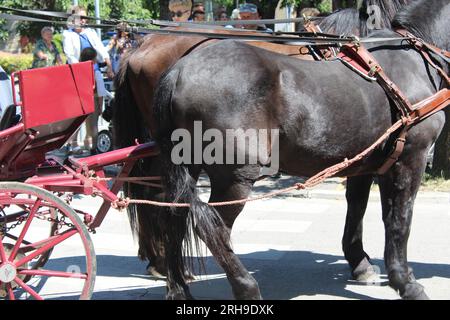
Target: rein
column 162, row 23
column 289, row 38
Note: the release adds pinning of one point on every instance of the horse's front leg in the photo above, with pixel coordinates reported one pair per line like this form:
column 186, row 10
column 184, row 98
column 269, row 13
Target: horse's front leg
column 357, row 195
column 398, row 190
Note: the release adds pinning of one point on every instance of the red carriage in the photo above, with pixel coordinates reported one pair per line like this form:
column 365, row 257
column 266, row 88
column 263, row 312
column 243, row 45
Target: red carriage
column 36, row 218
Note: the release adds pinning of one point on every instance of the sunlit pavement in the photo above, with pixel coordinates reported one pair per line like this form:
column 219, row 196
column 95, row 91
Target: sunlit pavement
column 291, row 245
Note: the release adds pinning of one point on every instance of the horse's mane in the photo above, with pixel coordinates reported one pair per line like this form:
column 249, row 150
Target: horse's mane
column 354, row 21
column 342, row 22
column 420, row 18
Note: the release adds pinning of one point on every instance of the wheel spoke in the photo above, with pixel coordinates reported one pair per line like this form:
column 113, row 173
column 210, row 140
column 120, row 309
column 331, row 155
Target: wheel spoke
column 60, row 238
column 27, row 288
column 27, row 249
column 36, row 245
column 52, row 273
column 24, row 230
column 10, row 292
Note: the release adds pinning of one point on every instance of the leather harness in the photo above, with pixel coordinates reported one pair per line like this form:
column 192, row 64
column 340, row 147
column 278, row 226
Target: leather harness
column 362, row 61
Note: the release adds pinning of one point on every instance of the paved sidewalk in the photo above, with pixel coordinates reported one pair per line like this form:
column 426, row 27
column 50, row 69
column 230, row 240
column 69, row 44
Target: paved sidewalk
column 290, row 244
column 331, row 189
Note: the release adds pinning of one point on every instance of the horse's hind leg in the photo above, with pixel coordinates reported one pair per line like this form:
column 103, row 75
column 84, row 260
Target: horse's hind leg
column 226, row 186
column 398, row 190
column 357, row 194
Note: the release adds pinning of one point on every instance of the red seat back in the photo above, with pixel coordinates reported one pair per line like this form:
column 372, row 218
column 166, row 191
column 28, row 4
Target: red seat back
column 54, row 103
column 53, row 94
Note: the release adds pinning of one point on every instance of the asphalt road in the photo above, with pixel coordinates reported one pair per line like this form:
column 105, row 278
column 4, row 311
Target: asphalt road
column 291, row 245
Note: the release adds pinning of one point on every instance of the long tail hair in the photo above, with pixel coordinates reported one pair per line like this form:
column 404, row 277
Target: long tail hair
column 184, row 226
column 353, row 21
column 127, row 127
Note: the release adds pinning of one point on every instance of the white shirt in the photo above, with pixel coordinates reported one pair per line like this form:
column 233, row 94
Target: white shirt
column 71, row 45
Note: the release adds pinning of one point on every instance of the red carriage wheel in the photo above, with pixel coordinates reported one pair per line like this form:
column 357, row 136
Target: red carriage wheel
column 26, row 214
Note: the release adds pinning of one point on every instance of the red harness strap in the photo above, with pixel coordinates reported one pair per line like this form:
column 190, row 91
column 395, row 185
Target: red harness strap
column 363, row 61
column 422, row 110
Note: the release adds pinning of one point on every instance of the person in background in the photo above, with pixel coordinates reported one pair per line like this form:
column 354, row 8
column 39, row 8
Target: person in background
column 89, row 54
column 180, row 10
column 46, row 53
column 198, row 16
column 75, row 40
column 78, row 38
column 222, row 16
column 118, row 45
column 198, row 7
column 249, row 11
column 234, row 16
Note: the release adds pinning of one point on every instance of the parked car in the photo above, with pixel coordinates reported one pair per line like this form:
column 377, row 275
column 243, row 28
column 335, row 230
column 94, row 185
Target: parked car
column 105, row 141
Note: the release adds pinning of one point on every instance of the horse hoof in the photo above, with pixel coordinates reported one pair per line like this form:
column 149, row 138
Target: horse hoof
column 178, row 295
column 414, row 291
column 175, row 296
column 188, row 276
column 366, row 273
column 159, row 275
column 368, row 277
column 155, row 273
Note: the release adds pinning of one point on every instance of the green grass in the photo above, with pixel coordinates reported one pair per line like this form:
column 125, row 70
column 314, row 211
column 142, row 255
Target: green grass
column 430, row 183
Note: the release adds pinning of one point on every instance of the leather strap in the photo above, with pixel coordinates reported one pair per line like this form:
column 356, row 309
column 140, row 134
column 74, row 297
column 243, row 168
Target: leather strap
column 405, row 33
column 361, row 59
column 420, row 46
column 431, row 105
column 396, row 152
column 423, row 110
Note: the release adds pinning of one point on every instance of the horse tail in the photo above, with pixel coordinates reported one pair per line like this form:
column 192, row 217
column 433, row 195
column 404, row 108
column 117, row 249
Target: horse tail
column 128, row 127
column 186, row 226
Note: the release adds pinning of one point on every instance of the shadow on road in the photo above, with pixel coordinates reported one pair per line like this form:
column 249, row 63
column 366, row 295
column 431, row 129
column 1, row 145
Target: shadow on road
column 290, row 275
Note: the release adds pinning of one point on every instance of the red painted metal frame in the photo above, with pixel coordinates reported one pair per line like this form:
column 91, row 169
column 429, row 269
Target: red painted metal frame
column 77, row 178
column 47, row 122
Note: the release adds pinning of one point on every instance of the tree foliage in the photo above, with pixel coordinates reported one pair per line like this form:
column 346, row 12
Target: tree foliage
column 118, row 9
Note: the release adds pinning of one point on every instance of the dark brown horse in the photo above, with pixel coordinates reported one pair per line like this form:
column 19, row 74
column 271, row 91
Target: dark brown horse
column 141, row 72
